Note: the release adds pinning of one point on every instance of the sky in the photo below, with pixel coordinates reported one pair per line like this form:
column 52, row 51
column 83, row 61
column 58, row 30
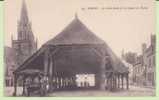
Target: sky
column 122, row 29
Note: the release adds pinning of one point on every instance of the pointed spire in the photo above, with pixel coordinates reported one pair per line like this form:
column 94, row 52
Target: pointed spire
column 24, row 13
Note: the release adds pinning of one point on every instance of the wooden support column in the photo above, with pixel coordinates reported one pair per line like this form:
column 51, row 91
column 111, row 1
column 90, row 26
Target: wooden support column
column 96, row 81
column 64, row 83
column 115, row 79
column 61, row 84
column 127, row 81
column 51, row 73
column 74, row 82
column 122, row 81
column 46, row 68
column 113, row 82
column 71, row 82
column 46, row 61
column 23, row 93
column 15, row 85
column 57, row 83
column 110, row 83
column 59, row 80
column 118, row 80
column 102, row 74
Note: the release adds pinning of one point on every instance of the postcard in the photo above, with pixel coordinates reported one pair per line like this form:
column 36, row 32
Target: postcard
column 79, row 48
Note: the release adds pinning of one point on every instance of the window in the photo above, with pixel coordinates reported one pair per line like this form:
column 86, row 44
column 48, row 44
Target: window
column 20, row 35
column 149, row 62
column 153, row 61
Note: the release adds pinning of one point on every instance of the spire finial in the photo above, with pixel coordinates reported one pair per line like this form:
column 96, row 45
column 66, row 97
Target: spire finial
column 24, row 13
column 76, row 15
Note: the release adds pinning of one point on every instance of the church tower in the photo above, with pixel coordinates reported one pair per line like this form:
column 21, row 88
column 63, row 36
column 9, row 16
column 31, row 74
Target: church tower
column 25, row 44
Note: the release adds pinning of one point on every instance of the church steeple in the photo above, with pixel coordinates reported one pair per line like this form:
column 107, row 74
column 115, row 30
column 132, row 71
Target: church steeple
column 25, row 44
column 24, row 26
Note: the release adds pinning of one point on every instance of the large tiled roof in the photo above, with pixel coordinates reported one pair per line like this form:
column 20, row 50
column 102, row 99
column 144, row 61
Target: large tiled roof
column 75, row 33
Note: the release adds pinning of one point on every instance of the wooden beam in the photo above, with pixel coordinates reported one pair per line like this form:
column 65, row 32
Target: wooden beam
column 54, row 51
column 30, row 59
column 98, row 53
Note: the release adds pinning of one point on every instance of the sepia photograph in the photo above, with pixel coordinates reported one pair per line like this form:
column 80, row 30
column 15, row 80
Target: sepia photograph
column 79, row 48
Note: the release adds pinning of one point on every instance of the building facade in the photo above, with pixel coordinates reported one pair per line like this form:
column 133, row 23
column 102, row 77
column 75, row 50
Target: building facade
column 144, row 68
column 22, row 47
column 10, row 65
column 138, row 71
column 149, row 62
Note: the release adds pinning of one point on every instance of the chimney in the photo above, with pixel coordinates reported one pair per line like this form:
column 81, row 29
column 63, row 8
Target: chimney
column 143, row 47
column 153, row 40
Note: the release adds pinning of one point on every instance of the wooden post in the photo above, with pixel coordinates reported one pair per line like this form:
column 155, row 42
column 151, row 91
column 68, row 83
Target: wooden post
column 23, row 93
column 51, row 74
column 46, row 67
column 112, row 83
column 15, row 85
column 96, row 81
column 56, row 82
column 61, row 82
column 46, row 61
column 127, row 81
column 115, row 81
column 74, row 82
column 102, row 74
column 64, row 84
column 118, row 80
column 122, row 81
column 70, row 82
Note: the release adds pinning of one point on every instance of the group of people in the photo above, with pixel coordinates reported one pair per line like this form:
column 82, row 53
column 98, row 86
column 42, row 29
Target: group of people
column 36, row 86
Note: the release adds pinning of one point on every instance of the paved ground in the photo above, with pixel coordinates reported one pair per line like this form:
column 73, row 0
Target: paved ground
column 9, row 91
column 133, row 91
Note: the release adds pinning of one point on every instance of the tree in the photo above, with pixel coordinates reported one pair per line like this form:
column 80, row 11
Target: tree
column 130, row 57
